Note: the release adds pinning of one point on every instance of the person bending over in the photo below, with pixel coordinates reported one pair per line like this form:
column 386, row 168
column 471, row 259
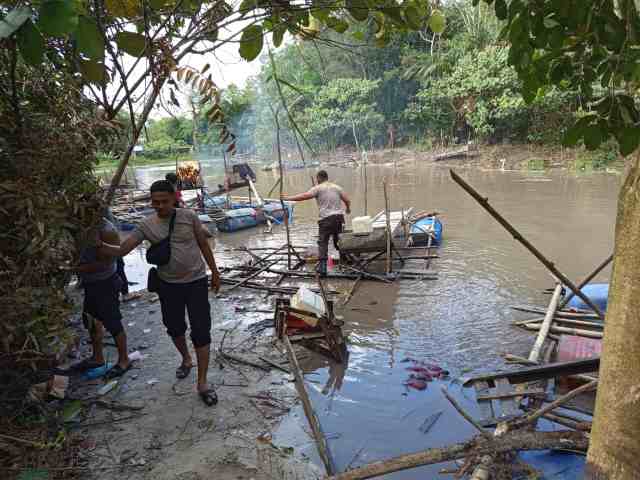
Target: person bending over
column 329, row 198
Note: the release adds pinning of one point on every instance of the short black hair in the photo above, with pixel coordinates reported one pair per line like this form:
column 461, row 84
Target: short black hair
column 162, row 186
column 171, row 177
column 323, row 175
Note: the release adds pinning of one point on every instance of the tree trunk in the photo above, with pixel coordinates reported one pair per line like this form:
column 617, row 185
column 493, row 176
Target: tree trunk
column 614, row 452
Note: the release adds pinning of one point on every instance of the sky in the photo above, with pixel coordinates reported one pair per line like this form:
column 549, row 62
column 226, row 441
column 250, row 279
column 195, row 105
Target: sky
column 226, row 67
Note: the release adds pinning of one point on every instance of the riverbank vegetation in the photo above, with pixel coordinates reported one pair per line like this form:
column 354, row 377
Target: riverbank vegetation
column 419, row 89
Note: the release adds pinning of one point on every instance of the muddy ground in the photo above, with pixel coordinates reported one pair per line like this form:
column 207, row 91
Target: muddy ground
column 174, row 436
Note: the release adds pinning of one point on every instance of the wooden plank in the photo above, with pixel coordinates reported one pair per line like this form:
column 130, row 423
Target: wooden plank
column 314, row 423
column 508, row 406
column 550, row 370
column 534, row 392
column 486, row 408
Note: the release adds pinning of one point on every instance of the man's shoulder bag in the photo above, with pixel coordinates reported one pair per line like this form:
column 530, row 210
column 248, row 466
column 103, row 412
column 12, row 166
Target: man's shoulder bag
column 159, row 254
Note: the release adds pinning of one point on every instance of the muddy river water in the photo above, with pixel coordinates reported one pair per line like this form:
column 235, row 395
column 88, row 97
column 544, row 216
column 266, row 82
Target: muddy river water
column 460, row 321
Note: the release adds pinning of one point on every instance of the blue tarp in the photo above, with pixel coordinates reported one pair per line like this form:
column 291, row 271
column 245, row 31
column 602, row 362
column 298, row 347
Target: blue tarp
column 597, row 292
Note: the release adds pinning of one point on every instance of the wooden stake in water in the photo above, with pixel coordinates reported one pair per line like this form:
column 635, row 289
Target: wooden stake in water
column 284, row 207
column 387, row 214
column 588, row 278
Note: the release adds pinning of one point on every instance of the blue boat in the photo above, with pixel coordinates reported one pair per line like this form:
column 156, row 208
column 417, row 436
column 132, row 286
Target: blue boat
column 241, row 216
column 424, row 227
column 238, row 219
column 598, row 293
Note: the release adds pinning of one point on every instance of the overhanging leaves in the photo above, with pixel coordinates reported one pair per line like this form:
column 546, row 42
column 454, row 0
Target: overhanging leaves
column 30, row 43
column 251, row 42
column 628, row 139
column 437, row 22
column 93, row 71
column 132, row 43
column 13, row 21
column 89, row 39
column 57, row 18
column 358, row 9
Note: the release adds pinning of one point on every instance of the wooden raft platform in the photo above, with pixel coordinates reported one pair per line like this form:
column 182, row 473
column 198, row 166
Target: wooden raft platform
column 375, row 241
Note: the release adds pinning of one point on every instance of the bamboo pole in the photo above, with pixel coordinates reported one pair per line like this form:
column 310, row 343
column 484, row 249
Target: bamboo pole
column 314, row 423
column 484, row 202
column 570, row 331
column 588, row 278
column 560, row 401
column 284, row 208
column 466, row 416
column 477, row 446
column 534, row 356
column 387, row 214
column 366, row 187
column 563, row 321
column 252, row 276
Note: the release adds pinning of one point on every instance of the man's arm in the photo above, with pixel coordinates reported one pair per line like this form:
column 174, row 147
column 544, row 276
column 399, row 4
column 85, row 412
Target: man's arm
column 207, row 253
column 120, row 249
column 346, row 201
column 102, row 261
column 300, row 197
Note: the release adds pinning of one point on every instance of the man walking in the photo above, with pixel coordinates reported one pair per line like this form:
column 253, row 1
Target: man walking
column 182, row 282
column 101, row 310
column 330, row 198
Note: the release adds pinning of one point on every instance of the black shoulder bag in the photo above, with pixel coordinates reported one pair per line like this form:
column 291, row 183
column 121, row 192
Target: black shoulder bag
column 159, row 254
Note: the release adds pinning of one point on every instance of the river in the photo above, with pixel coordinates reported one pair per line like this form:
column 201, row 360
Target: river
column 460, row 321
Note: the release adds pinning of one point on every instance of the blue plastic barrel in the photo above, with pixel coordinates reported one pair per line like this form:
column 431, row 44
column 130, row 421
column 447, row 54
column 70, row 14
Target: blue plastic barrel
column 598, row 293
column 419, row 229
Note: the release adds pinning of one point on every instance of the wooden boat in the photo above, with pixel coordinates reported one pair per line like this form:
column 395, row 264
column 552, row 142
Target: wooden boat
column 376, row 241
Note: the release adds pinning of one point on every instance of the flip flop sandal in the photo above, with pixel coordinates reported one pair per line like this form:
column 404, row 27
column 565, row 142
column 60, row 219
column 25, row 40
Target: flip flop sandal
column 86, row 364
column 117, row 371
column 183, row 371
column 209, row 397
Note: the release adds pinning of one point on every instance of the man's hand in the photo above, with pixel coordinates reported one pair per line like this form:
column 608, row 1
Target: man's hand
column 215, row 281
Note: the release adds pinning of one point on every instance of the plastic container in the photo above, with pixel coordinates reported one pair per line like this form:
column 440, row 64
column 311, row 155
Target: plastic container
column 362, row 225
column 306, row 300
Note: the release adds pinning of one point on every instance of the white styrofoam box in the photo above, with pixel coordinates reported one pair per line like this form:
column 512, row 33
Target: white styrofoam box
column 308, row 301
column 362, row 225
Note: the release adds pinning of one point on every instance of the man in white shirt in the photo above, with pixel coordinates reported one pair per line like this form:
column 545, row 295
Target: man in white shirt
column 330, row 198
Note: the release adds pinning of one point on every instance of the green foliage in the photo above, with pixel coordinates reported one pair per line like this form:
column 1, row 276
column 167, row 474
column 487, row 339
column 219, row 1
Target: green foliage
column 592, row 50
column 49, row 199
column 341, row 109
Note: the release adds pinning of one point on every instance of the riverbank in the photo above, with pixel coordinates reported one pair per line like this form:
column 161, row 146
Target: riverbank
column 152, row 426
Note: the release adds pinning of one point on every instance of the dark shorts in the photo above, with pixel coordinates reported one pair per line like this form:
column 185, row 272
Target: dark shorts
column 194, row 297
column 329, row 227
column 102, row 302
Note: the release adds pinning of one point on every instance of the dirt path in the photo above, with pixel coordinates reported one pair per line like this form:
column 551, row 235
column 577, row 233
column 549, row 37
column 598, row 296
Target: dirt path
column 174, row 436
